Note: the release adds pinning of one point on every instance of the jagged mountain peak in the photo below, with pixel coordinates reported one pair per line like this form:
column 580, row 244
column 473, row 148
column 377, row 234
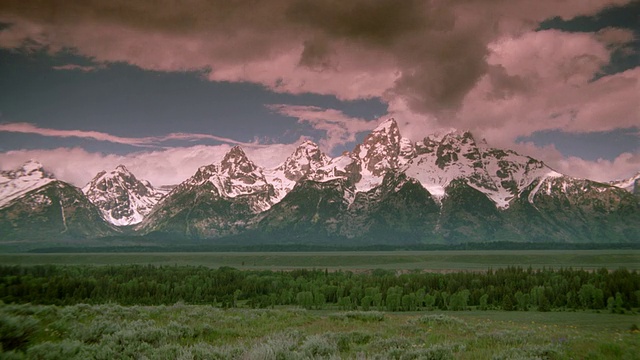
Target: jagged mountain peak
column 382, row 150
column 307, row 147
column 123, row 169
column 236, row 161
column 462, row 136
column 307, row 154
column 389, row 126
column 121, row 197
column 234, row 176
column 305, row 159
column 33, row 168
column 448, row 187
column 16, row 183
column 119, row 174
column 235, row 152
column 387, row 133
column 631, row 184
column 31, row 165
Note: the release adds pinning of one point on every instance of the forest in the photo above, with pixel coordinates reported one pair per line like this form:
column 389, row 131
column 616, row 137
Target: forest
column 511, row 288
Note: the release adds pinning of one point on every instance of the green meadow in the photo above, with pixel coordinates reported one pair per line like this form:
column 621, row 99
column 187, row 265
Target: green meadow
column 322, row 305
column 202, row 332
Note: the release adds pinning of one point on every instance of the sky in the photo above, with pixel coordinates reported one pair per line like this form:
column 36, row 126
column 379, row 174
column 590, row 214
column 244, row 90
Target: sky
column 164, row 87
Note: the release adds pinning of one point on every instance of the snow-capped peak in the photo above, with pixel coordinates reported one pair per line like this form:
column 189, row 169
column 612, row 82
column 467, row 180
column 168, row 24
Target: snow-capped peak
column 236, row 162
column 234, row 176
column 121, row 197
column 388, row 126
column 631, row 184
column 122, row 169
column 305, row 160
column 382, row 150
column 33, row 168
column 15, row 183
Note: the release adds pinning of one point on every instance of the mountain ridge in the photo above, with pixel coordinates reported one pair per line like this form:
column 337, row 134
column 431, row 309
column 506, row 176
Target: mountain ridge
column 122, row 199
column 444, row 189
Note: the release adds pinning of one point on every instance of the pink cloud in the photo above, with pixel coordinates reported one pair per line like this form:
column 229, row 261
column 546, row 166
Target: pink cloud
column 340, row 129
column 477, row 65
column 392, row 50
column 545, row 81
column 76, row 67
column 161, row 167
column 26, row 128
column 623, row 166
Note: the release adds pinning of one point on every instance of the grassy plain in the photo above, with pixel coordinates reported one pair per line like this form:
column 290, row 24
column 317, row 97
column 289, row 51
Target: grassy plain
column 203, row 332
column 476, row 260
column 182, row 331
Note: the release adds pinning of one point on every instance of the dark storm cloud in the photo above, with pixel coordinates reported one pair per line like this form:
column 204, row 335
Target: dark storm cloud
column 435, row 50
column 317, row 54
column 483, row 65
column 375, row 22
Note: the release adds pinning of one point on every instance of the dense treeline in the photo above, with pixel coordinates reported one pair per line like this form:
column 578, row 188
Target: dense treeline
column 241, row 246
column 508, row 289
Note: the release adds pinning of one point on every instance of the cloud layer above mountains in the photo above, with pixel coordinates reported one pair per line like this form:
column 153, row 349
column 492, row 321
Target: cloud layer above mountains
column 479, row 65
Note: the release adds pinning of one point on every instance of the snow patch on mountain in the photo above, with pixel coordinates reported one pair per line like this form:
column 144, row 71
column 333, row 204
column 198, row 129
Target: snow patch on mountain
column 383, row 150
column 234, row 176
column 122, row 199
column 17, row 183
column 631, row 184
column 305, row 163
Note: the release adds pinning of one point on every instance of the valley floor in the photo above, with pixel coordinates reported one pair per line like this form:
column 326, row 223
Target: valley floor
column 469, row 260
column 204, row 332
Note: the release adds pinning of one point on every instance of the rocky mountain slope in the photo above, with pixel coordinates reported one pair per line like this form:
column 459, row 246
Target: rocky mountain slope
column 631, row 184
column 446, row 189
column 122, row 199
column 36, row 206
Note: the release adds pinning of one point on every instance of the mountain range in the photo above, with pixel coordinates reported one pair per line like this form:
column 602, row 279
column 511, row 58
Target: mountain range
column 445, row 189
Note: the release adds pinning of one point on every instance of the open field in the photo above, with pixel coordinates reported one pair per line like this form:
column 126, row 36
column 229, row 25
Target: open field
column 476, row 260
column 203, row 332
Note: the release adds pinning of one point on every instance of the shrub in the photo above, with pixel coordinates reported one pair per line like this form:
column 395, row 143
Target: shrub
column 529, row 352
column 365, row 316
column 507, row 337
column 434, row 352
column 16, row 331
column 278, row 347
column 64, row 350
column 441, row 319
column 344, row 340
column 319, row 347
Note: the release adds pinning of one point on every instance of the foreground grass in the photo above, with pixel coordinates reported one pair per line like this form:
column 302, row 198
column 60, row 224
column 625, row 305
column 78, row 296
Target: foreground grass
column 476, row 260
column 203, row 332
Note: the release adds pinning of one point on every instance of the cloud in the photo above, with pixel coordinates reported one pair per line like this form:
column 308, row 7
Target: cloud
column 340, row 129
column 550, row 80
column 172, row 166
column 472, row 65
column 429, row 53
column 161, row 167
column 615, row 36
column 623, row 166
column 76, row 67
column 26, row 128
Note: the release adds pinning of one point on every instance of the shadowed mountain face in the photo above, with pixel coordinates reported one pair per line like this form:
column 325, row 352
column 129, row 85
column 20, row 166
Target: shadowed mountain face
column 55, row 211
column 445, row 189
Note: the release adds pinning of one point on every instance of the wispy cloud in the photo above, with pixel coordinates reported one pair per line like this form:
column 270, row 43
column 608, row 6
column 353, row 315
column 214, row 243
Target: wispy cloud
column 76, row 67
column 161, row 166
column 149, row 141
column 340, row 128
